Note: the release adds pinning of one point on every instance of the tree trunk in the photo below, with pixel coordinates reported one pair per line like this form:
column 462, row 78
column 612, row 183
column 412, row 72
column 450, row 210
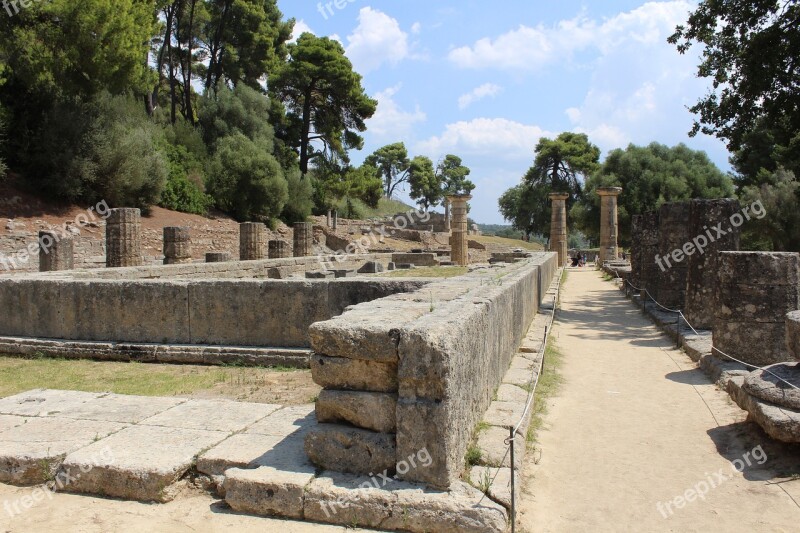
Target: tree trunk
column 304, row 139
column 187, row 77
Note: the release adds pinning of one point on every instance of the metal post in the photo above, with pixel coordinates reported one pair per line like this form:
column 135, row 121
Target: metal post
column 513, row 496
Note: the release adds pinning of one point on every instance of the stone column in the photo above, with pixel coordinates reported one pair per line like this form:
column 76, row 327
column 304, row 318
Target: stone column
column 755, row 292
column 703, row 255
column 252, row 241
column 279, row 250
column 447, row 214
column 218, row 257
column 303, row 239
column 459, row 253
column 609, row 231
column 124, row 238
column 672, row 263
column 648, row 243
column 335, row 220
column 558, row 226
column 177, row 246
column 56, row 251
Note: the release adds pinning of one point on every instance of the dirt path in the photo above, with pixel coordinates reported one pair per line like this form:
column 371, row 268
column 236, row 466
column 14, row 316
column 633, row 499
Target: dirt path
column 636, row 424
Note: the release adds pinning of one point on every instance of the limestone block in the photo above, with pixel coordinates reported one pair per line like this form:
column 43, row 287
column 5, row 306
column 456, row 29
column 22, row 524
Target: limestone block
column 351, row 450
column 366, row 410
column 497, row 481
column 228, row 416
column 494, row 451
column 251, row 450
column 289, row 420
column 793, row 334
column 267, row 491
column 353, row 374
column 766, row 385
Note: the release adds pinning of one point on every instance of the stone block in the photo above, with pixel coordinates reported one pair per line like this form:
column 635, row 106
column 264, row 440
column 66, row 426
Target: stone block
column 321, row 274
column 367, row 410
column 251, row 450
column 228, row 416
column 353, row 374
column 290, row 420
column 349, row 500
column 495, row 481
column 44, row 402
column 351, row 450
column 120, row 408
column 793, row 334
column 144, row 472
column 418, row 259
column 511, row 393
column 371, row 267
column 267, row 491
column 495, row 452
column 770, row 384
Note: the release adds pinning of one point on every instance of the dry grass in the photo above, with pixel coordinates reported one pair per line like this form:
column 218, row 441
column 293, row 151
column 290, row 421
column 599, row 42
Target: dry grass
column 429, row 272
column 511, row 243
column 266, row 385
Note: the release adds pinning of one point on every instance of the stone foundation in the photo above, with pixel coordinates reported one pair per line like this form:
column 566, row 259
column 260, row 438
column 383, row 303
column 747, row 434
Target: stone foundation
column 673, row 234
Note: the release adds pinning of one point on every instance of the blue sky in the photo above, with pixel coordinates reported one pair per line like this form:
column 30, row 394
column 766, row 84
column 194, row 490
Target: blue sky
column 485, row 80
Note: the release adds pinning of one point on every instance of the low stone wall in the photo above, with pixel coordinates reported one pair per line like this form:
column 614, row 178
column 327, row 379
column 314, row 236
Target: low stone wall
column 425, row 364
column 206, row 312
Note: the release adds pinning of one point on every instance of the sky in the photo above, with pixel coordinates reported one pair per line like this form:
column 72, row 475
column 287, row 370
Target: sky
column 486, row 80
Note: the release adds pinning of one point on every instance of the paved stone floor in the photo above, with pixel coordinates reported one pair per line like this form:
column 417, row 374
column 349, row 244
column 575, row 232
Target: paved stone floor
column 636, row 424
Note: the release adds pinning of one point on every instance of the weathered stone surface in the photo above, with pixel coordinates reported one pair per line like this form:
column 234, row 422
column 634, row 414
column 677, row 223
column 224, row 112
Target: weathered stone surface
column 32, row 452
column 506, row 414
column 228, row 416
column 144, row 472
column 494, row 451
column 649, row 249
column 419, row 259
column 42, row 402
column 519, row 376
column 286, row 421
column 218, row 257
column 267, row 491
column 349, row 500
column 701, row 298
column 366, row 410
column 251, row 450
column 674, row 233
column 371, row 267
column 121, row 408
column 353, row 374
column 511, row 393
column 767, row 384
column 351, row 450
column 321, row 274
column 793, row 334
column 495, row 482
column 11, row 421
column 123, row 238
column 780, row 423
column 608, row 223
column 558, row 226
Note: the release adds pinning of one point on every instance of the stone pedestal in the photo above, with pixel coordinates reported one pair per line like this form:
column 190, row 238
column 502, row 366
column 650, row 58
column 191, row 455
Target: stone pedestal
column 609, row 225
column 648, row 248
column 279, row 250
column 303, row 239
column 56, row 252
column 558, row 226
column 252, row 241
column 177, row 246
column 124, row 238
column 218, row 257
column 705, row 246
column 755, row 292
column 459, row 253
column 673, row 267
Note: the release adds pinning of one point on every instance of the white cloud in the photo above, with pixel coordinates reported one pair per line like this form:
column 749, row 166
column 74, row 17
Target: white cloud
column 416, row 27
column 484, row 91
column 497, row 137
column 390, row 120
column 300, row 27
column 376, row 40
column 533, row 48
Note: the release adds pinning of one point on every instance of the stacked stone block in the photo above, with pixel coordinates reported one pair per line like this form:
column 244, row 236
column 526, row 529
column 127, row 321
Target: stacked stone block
column 755, row 291
column 177, row 246
column 609, row 249
column 303, row 239
column 218, row 257
column 56, row 252
column 558, row 226
column 673, row 234
column 701, row 303
column 648, row 246
column 124, row 238
column 252, row 241
column 279, row 249
column 459, row 243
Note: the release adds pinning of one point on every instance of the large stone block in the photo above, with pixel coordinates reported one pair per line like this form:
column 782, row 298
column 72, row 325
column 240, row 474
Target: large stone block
column 367, row 410
column 419, row 259
column 674, row 233
column 793, row 334
column 268, row 491
column 353, row 374
column 351, row 450
column 775, row 385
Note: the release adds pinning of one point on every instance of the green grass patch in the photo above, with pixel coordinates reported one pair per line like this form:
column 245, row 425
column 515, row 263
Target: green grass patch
column 23, row 374
column 474, row 455
column 429, row 272
column 550, row 380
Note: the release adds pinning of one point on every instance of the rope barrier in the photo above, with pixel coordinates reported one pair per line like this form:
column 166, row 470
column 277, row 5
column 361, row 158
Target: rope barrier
column 713, row 348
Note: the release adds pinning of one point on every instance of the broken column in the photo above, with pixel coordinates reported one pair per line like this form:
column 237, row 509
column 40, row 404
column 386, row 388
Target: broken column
column 279, row 249
column 177, row 246
column 252, row 241
column 648, row 246
column 558, row 226
column 303, row 239
column 218, row 257
column 755, row 291
column 459, row 253
column 609, row 232
column 703, row 251
column 56, row 252
column 672, row 262
column 123, row 238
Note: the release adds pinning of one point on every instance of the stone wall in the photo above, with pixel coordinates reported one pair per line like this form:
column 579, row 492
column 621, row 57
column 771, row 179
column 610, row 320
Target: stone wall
column 673, row 233
column 425, row 364
column 208, row 312
column 648, row 246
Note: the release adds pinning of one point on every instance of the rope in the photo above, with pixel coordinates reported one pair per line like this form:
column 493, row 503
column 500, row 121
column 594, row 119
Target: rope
column 713, row 348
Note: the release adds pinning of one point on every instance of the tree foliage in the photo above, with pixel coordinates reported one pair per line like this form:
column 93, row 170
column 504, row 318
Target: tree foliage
column 452, row 176
column 749, row 52
column 392, row 164
column 426, row 185
column 779, row 194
